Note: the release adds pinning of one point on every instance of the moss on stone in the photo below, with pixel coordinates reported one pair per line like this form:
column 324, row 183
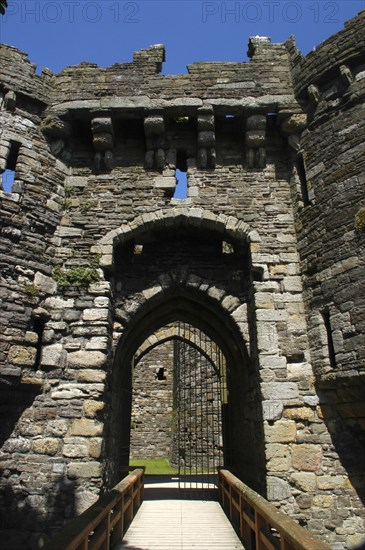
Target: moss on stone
column 76, row 276
column 360, row 220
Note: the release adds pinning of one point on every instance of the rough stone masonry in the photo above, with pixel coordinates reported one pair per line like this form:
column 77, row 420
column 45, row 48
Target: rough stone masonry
column 265, row 255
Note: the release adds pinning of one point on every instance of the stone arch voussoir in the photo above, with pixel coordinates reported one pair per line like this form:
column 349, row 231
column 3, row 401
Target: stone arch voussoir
column 227, row 226
column 171, row 332
column 228, row 304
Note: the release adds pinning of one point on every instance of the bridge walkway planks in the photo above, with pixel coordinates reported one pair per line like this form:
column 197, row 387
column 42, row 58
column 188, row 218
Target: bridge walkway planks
column 173, row 519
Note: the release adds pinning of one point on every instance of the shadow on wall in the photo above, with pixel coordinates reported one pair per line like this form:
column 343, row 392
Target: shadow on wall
column 33, row 499
column 25, row 518
column 13, row 402
column 343, row 409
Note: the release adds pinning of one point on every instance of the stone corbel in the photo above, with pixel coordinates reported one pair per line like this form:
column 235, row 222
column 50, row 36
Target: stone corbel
column 154, row 127
column 346, row 76
column 57, row 130
column 255, row 141
column 103, row 141
column 206, row 138
column 292, row 127
column 9, row 100
column 314, row 95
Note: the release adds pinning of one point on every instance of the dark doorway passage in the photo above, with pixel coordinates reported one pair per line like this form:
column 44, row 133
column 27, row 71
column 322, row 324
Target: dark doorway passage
column 185, row 278
column 178, row 400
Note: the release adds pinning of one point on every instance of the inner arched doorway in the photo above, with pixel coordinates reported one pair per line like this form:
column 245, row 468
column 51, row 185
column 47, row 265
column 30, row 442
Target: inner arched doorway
column 200, row 279
column 179, row 401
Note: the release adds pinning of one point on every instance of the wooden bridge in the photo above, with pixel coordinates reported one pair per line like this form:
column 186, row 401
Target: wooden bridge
column 240, row 518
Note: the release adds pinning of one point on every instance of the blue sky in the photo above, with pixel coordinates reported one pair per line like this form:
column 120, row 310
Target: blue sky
column 59, row 33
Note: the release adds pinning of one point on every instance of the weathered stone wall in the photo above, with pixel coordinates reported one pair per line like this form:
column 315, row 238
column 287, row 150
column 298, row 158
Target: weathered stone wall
column 152, row 404
column 332, row 253
column 97, row 256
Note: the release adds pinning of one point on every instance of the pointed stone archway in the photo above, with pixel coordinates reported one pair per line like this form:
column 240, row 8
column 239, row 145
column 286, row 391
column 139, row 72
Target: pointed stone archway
column 194, row 267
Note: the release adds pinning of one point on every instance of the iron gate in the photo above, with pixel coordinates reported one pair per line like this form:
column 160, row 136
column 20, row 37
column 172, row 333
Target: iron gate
column 200, row 396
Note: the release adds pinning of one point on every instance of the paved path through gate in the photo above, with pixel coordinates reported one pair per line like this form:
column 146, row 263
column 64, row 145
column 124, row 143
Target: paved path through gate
column 173, row 520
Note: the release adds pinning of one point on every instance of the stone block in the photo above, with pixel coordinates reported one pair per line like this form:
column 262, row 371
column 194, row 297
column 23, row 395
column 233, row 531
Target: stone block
column 97, row 314
column 31, row 338
column 46, row 446
column 307, row 457
column 91, row 407
column 267, row 338
column 44, row 283
column 329, row 483
column 86, row 427
column 53, row 356
column 102, row 302
column 22, row 356
column 271, row 315
column 323, row 501
column 84, row 499
column 16, row 445
column 305, row 481
column 273, row 362
column 166, row 183
column 304, row 501
column 277, row 489
column 84, row 469
column 278, row 457
column 57, row 428
column 264, row 300
column 59, row 303
column 86, row 359
column 65, row 231
column 298, row 371
column 282, row 431
column 68, row 391
column 90, row 375
column 272, row 410
column 97, row 343
column 95, row 447
column 279, row 391
column 311, row 400
column 299, row 413
column 292, row 284
column 75, row 450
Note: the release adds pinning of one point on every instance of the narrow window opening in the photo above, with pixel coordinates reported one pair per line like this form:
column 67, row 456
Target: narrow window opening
column 271, row 122
column 8, row 176
column 228, row 116
column 330, row 344
column 7, row 180
column 227, row 248
column 138, row 249
column 257, row 274
column 181, row 190
column 296, row 358
column 160, row 374
column 38, row 328
column 303, row 179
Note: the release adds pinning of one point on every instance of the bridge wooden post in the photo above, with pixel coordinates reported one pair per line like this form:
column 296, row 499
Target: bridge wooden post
column 261, row 525
column 104, row 521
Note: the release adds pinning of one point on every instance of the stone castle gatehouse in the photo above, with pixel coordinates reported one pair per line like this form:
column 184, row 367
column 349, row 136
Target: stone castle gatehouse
column 103, row 269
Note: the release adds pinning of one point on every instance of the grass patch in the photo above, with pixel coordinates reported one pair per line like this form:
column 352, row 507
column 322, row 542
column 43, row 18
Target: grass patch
column 161, row 466
column 154, row 466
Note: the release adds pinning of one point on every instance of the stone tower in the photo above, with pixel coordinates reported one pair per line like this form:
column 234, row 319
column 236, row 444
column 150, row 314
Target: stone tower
column 265, row 255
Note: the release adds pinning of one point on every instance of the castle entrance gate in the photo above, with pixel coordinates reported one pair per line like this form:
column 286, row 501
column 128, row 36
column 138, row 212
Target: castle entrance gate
column 182, row 286
column 179, row 401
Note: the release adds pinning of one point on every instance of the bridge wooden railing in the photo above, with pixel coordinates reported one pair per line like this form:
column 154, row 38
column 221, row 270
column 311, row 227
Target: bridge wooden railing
column 105, row 521
column 260, row 525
